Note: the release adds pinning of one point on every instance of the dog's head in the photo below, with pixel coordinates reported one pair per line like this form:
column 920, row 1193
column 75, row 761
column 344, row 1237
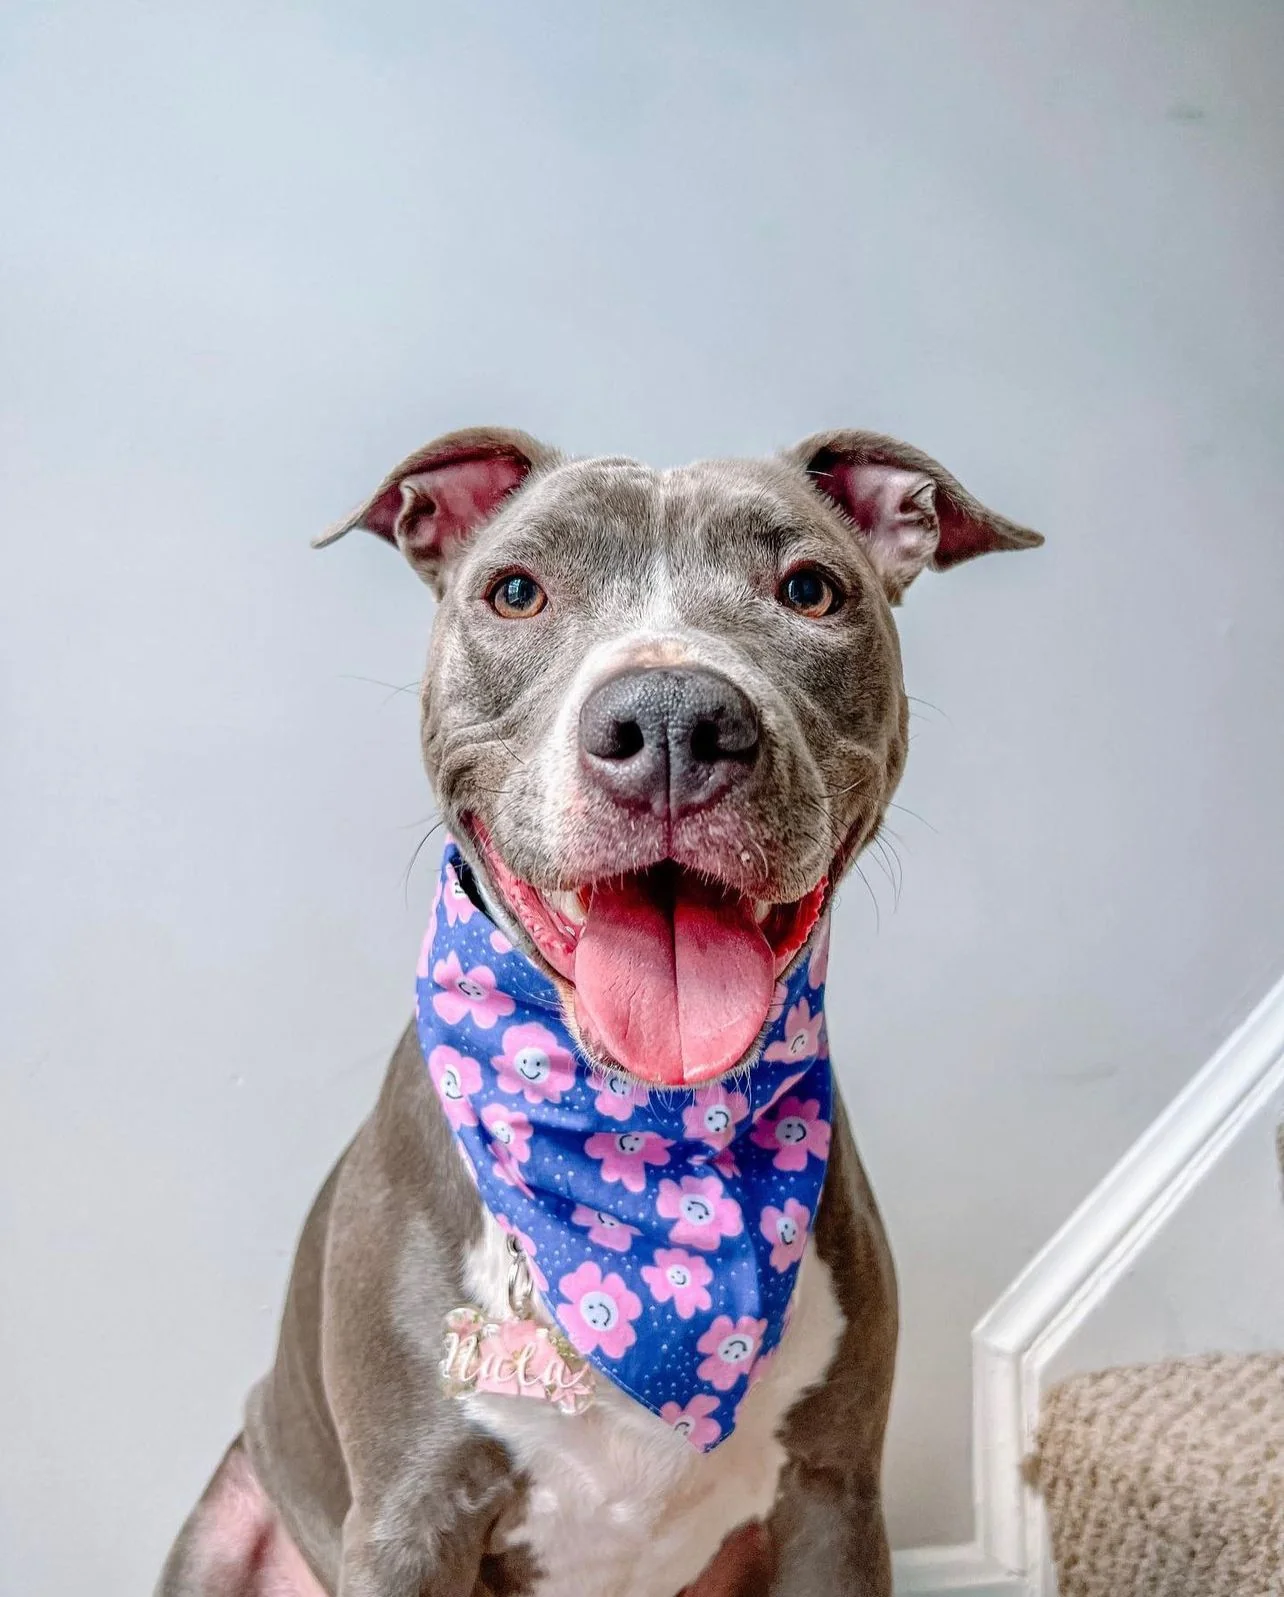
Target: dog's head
column 664, row 711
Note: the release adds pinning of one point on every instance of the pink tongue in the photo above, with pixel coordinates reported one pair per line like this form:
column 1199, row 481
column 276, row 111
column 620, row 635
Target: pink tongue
column 673, row 979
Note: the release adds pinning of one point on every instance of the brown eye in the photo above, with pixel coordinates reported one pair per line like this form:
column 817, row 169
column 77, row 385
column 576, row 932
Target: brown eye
column 809, row 593
column 517, row 597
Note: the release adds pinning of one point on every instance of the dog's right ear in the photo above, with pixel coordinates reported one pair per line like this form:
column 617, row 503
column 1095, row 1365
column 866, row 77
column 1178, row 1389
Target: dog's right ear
column 431, row 504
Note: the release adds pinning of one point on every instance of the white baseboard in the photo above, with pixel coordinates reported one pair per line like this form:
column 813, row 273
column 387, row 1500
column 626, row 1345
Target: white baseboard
column 938, row 1571
column 1034, row 1319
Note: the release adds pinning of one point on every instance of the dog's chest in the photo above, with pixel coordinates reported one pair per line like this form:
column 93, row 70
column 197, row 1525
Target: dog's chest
column 618, row 1504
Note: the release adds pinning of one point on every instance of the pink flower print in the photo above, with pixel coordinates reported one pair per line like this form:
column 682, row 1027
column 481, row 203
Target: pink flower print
column 510, row 1142
column 693, row 1421
column 702, row 1212
column 597, row 1311
column 507, row 1171
column 459, row 907
column 679, row 1278
column 786, row 1230
column 606, row 1229
column 714, row 1116
column 535, row 1064
column 732, row 1349
column 762, row 1367
column 818, row 964
column 781, row 1090
column 468, row 993
column 626, row 1154
column 761, row 1370
column 455, row 1076
column 725, row 1164
column 425, row 952
column 528, row 1248
column 617, row 1094
column 500, row 943
column 802, row 1034
column 795, row 1131
column 779, row 998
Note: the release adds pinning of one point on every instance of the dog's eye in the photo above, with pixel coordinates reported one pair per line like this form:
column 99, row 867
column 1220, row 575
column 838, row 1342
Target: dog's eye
column 810, row 593
column 516, row 597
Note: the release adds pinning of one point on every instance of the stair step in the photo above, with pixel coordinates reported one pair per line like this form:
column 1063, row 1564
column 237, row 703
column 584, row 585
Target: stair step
column 1167, row 1480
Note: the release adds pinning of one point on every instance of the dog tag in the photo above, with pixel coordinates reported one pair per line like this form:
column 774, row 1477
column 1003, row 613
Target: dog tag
column 514, row 1358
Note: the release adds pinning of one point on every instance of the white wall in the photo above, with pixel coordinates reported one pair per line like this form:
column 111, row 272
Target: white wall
column 1211, row 1281
column 253, row 253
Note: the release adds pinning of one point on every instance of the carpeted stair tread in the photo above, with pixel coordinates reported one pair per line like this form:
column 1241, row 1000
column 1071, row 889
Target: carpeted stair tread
column 1167, row 1480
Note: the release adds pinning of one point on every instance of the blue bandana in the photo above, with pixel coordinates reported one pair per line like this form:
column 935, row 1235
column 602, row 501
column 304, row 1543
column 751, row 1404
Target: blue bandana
column 663, row 1226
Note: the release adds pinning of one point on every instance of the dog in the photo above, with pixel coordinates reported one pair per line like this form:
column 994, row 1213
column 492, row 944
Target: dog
column 663, row 712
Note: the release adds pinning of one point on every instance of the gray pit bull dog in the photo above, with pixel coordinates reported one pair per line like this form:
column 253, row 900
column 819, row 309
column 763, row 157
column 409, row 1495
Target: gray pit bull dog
column 646, row 689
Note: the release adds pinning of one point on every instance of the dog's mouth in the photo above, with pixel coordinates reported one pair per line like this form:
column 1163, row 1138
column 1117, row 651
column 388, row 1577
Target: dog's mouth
column 672, row 972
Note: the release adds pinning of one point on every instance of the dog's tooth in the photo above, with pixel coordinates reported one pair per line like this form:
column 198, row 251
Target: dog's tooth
column 761, row 910
column 568, row 906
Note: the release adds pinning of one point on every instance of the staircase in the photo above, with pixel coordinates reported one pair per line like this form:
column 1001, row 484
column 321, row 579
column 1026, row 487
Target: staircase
column 1155, row 1479
column 1167, row 1480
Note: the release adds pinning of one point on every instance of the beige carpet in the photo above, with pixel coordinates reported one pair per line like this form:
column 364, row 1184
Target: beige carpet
column 1167, row 1480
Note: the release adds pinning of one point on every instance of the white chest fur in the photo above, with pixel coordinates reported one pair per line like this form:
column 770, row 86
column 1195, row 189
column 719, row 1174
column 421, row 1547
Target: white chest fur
column 618, row 1504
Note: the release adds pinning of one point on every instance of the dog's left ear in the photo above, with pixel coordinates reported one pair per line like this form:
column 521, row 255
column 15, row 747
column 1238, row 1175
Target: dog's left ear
column 909, row 511
column 431, row 504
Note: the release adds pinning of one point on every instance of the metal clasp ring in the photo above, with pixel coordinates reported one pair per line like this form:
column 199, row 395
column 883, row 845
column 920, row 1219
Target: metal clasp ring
column 519, row 1279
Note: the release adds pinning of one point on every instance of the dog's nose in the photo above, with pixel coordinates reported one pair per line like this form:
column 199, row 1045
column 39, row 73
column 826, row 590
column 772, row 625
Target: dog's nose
column 667, row 740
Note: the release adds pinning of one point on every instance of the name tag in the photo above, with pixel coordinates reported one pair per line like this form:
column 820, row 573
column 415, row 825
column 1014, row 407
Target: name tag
column 514, row 1358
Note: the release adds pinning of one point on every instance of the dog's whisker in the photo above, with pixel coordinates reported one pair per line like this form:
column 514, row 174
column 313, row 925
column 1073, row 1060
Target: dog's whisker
column 405, row 880
column 393, row 688
column 434, row 816
column 880, row 860
column 894, row 875
column 905, row 810
column 928, row 705
column 378, row 682
column 891, row 851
